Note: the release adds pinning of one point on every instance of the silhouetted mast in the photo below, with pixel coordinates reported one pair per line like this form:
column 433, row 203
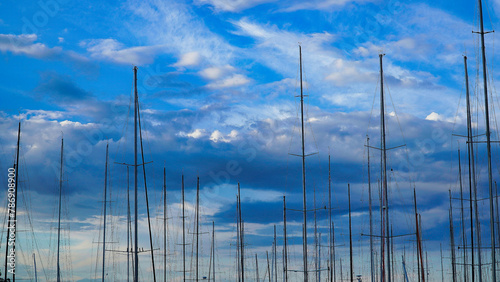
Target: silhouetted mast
column 59, row 218
column 370, row 211
column 472, row 182
column 488, row 146
column 452, row 243
column 104, row 228
column 136, row 230
column 384, row 171
column 304, row 207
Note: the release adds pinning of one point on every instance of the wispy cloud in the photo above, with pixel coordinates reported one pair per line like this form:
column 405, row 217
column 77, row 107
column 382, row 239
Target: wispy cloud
column 114, row 51
column 232, row 5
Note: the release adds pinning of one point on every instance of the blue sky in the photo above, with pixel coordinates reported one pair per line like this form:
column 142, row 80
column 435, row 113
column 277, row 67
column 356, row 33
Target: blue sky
column 217, row 80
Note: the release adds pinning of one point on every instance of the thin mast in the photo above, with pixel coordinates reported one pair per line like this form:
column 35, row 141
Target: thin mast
column 59, row 218
column 242, row 258
column 136, row 229
column 164, row 224
column 275, row 258
column 316, row 245
column 213, row 248
column 330, row 216
column 104, row 228
column 197, row 223
column 268, row 268
column 350, row 233
column 419, row 243
column 34, row 264
column 452, row 243
column 442, row 269
column 183, row 232
column 256, row 269
column 304, row 205
column 370, row 210
column 128, row 225
column 472, row 181
column 488, row 147
column 15, row 193
column 464, row 239
column 384, row 169
column 285, row 251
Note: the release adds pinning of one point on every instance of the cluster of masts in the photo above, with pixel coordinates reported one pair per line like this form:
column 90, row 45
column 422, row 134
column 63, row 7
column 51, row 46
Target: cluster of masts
column 386, row 271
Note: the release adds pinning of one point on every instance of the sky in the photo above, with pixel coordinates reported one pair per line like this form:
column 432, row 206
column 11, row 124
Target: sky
column 218, row 82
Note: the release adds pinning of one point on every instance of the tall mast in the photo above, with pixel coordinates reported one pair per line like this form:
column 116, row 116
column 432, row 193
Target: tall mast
column 128, row 225
column 384, row 169
column 304, row 205
column 330, row 216
column 268, row 268
column 197, row 223
column 370, row 211
column 442, row 269
column 498, row 213
column 316, row 244
column 34, row 264
column 213, row 248
column 104, row 228
column 13, row 225
column 464, row 239
column 452, row 243
column 183, row 232
column 164, row 224
column 242, row 258
column 275, row 257
column 285, row 251
column 488, row 147
column 256, row 269
column 59, row 218
column 350, row 233
column 136, row 230
column 472, row 182
column 419, row 243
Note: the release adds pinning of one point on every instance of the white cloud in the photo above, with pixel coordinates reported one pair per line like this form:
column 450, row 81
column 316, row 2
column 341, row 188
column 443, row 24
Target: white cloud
column 189, row 59
column 216, row 72
column 233, row 81
column 233, row 5
column 321, row 4
column 218, row 136
column 24, row 44
column 350, row 72
column 174, row 26
column 114, row 51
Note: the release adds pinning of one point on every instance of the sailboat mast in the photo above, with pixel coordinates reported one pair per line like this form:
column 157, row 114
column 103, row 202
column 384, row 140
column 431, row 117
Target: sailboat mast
column 183, row 232
column 197, row 223
column 384, row 169
column 330, row 216
column 350, row 233
column 452, row 243
column 59, row 218
column 275, row 257
column 128, row 225
column 164, row 224
column 370, row 211
column 472, row 182
column 256, row 269
column 488, row 147
column 304, row 205
column 136, row 229
column 104, row 227
column 464, row 239
column 420, row 261
column 285, row 251
column 242, row 258
column 34, row 265
column 16, row 170
column 213, row 248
